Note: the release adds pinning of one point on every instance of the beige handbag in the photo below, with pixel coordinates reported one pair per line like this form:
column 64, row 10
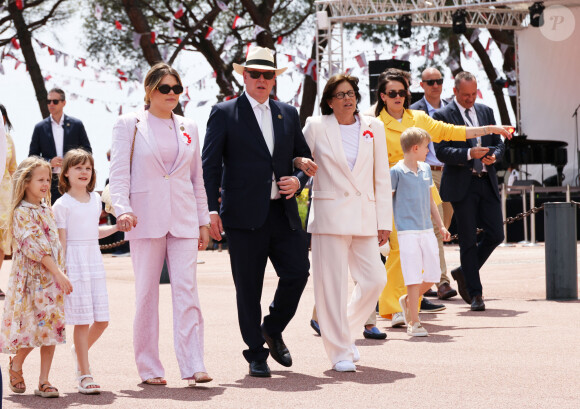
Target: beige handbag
column 106, row 195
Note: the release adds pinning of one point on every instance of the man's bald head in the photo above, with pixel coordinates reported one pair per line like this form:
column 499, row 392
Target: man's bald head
column 432, row 83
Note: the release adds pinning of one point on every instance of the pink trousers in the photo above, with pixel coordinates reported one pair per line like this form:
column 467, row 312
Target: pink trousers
column 148, row 256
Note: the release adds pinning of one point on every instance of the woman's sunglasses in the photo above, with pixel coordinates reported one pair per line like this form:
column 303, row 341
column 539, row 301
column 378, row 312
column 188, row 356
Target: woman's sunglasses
column 393, row 94
column 433, row 82
column 268, row 75
column 165, row 89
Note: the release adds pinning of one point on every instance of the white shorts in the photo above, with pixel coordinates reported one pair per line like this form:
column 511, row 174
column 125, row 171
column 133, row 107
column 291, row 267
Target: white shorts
column 419, row 257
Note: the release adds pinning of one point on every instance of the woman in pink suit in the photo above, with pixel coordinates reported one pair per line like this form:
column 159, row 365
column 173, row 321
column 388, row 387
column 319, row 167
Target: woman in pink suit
column 157, row 190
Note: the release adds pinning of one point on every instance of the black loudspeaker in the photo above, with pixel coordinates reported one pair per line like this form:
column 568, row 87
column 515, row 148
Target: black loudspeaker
column 528, row 182
column 377, row 67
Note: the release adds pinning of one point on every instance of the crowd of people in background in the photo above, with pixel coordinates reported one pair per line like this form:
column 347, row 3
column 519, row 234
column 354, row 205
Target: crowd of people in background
column 394, row 175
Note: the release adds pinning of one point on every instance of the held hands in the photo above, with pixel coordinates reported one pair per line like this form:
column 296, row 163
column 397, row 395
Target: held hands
column 56, row 162
column 63, row 282
column 203, row 238
column 126, row 222
column 383, row 236
column 306, row 165
column 288, row 185
column 445, row 235
column 216, row 229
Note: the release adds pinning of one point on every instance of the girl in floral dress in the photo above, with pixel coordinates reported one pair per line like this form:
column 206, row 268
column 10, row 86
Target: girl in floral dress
column 34, row 306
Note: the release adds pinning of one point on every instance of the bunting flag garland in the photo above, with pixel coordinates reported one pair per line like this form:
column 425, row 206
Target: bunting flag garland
column 136, row 40
column 1, row 69
column 436, row 47
column 258, row 30
column 229, row 42
column 210, row 33
column 223, row 6
column 479, row 95
column 395, row 48
column 301, row 55
column 503, row 48
column 489, row 40
column 290, row 57
column 358, row 35
column 310, row 68
column 474, row 35
column 237, row 22
column 423, row 49
column 179, row 13
column 15, row 43
column 361, row 60
column 280, row 40
column 153, row 37
column 98, row 11
column 118, row 25
column 19, row 4
column 248, row 46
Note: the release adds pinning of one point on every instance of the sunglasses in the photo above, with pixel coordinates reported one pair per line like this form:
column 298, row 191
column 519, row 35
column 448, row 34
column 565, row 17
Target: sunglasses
column 268, row 75
column 393, row 94
column 433, row 82
column 341, row 95
column 165, row 89
column 53, row 101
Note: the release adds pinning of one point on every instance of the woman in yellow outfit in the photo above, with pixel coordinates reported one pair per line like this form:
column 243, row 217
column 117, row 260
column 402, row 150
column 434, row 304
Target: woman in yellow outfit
column 393, row 110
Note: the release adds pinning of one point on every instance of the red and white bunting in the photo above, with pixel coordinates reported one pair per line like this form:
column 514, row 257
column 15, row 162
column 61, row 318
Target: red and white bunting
column 153, row 35
column 310, row 68
column 361, row 60
column 258, row 30
column 395, row 48
column 479, row 95
column 290, row 57
column 229, row 42
column 118, row 25
column 436, row 47
column 423, row 49
column 474, row 35
column 489, row 40
column 19, row 4
column 223, row 6
column 136, row 40
column 358, row 35
column 210, row 33
column 503, row 48
column 281, row 40
column 238, row 21
column 247, row 49
column 180, row 12
column 15, row 43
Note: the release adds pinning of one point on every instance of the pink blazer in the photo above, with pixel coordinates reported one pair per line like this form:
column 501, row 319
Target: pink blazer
column 345, row 202
column 164, row 200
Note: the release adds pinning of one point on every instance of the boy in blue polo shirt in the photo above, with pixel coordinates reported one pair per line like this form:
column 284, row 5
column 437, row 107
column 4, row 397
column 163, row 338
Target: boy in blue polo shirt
column 413, row 208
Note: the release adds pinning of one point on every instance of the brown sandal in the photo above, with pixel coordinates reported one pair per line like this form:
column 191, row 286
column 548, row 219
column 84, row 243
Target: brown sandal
column 15, row 379
column 44, row 392
column 155, row 381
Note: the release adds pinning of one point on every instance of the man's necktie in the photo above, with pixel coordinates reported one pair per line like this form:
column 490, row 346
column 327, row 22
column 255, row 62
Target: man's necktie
column 477, row 165
column 269, row 138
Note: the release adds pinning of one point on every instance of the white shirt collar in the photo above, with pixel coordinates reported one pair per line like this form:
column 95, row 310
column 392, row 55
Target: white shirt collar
column 472, row 109
column 61, row 123
column 407, row 170
column 255, row 103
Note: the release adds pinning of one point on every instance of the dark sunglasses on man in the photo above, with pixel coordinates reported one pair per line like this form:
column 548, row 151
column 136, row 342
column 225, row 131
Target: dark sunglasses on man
column 268, row 75
column 165, row 89
column 393, row 94
column 433, row 82
column 53, row 101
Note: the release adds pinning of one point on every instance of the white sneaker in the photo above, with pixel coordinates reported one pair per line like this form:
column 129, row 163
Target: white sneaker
column 344, row 366
column 398, row 320
column 406, row 312
column 355, row 353
column 417, row 330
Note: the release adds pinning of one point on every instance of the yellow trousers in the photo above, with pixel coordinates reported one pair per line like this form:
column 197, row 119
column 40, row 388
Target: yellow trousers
column 395, row 288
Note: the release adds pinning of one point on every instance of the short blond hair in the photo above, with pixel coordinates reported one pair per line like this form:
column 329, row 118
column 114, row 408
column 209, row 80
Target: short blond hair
column 413, row 136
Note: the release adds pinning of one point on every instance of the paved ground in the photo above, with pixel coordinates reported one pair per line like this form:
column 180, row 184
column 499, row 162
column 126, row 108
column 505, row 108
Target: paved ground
column 522, row 352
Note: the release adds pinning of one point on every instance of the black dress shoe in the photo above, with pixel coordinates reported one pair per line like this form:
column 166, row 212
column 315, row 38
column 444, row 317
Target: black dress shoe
column 260, row 369
column 315, row 326
column 278, row 349
column 374, row 333
column 430, row 293
column 428, row 306
column 445, row 292
column 477, row 304
column 457, row 275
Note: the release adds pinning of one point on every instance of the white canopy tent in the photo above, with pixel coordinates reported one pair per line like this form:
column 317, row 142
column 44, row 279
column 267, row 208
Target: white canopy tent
column 548, row 84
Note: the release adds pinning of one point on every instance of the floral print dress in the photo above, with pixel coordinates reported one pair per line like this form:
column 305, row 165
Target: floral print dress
column 34, row 306
column 6, row 196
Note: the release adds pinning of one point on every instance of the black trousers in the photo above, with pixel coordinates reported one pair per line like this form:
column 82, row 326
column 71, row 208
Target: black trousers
column 249, row 252
column 480, row 208
column 54, row 193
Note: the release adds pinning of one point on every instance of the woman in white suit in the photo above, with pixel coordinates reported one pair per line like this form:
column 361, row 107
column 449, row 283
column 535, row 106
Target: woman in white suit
column 157, row 190
column 350, row 217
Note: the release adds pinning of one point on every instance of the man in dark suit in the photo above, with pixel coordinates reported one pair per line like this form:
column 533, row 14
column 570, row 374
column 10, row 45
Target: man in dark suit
column 57, row 134
column 469, row 182
column 249, row 148
column 432, row 84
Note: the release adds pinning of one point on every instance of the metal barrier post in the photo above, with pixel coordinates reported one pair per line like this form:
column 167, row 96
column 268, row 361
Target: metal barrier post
column 532, row 219
column 504, row 216
column 561, row 252
column 524, row 209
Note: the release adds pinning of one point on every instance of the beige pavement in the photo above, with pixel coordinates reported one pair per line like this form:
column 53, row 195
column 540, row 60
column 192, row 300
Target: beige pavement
column 523, row 352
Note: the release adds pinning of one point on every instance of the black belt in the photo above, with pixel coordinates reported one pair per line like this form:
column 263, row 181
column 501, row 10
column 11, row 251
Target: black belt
column 479, row 175
column 436, row 167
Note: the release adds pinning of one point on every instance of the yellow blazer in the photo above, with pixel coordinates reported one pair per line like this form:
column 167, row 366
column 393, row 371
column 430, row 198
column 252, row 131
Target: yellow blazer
column 345, row 202
column 439, row 131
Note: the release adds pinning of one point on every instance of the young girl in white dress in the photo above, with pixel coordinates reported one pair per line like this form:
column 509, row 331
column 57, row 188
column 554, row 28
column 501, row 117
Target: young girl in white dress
column 77, row 215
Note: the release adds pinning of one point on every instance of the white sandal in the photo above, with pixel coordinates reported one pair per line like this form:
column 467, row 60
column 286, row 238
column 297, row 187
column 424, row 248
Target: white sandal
column 84, row 389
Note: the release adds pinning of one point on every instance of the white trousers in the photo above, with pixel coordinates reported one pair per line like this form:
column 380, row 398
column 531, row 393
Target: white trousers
column 332, row 257
column 148, row 256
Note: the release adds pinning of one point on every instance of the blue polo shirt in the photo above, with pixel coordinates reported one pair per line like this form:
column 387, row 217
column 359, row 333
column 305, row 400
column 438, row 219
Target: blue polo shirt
column 412, row 198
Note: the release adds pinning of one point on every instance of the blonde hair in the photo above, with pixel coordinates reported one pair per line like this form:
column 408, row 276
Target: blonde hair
column 413, row 136
column 72, row 158
column 154, row 77
column 22, row 177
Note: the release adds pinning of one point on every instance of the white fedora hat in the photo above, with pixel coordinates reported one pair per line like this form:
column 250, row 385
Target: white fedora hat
column 260, row 58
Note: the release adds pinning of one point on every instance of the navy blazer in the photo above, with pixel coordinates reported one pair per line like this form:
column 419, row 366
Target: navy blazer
column 237, row 160
column 457, row 172
column 42, row 143
column 421, row 105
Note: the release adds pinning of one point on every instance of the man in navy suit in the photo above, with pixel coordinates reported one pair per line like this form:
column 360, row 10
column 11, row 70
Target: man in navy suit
column 57, row 134
column 249, row 148
column 432, row 84
column 469, row 182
